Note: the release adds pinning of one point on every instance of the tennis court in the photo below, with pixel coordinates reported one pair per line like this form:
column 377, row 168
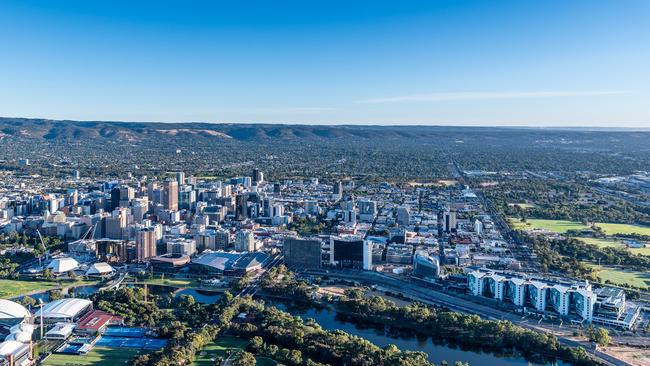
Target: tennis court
column 125, row 332
column 133, row 343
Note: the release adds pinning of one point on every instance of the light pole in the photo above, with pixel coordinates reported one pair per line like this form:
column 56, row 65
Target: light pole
column 40, row 301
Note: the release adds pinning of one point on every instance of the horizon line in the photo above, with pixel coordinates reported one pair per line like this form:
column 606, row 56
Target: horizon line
column 342, row 124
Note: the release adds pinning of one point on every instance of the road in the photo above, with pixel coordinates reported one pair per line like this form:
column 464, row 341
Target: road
column 430, row 296
column 253, row 287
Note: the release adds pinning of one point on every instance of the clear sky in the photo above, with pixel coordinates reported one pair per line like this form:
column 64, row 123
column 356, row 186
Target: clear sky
column 454, row 62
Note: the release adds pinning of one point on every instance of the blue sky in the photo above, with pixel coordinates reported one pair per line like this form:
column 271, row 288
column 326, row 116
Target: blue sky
column 455, row 62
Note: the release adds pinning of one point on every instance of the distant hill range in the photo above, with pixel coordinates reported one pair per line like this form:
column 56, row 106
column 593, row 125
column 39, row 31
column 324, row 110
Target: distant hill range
column 74, row 130
column 65, row 130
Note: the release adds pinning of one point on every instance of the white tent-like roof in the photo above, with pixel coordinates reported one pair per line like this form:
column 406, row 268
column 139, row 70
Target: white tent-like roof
column 22, row 337
column 64, row 308
column 12, row 310
column 22, row 327
column 10, row 347
column 100, row 268
column 63, row 265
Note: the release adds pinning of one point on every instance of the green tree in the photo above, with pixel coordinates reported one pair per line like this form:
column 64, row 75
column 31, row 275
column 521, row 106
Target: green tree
column 244, row 359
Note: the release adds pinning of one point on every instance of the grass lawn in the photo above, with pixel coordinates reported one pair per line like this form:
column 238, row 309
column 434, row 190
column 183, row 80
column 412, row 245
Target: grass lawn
column 176, row 282
column 11, row 288
column 265, row 361
column 602, row 242
column 614, row 243
column 623, row 276
column 642, row 251
column 218, row 348
column 98, row 356
column 522, row 205
column 556, row 226
column 613, row 229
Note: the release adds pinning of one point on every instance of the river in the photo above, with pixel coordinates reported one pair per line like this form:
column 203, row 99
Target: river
column 383, row 336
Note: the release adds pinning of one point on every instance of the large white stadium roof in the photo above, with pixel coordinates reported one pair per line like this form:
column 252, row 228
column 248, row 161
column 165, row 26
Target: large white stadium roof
column 64, row 308
column 62, row 265
column 10, row 347
column 12, row 310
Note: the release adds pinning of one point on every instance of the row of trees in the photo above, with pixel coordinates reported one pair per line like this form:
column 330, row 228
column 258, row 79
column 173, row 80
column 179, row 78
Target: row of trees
column 184, row 342
column 562, row 200
column 568, row 256
column 551, row 260
column 299, row 343
column 281, row 282
column 580, row 250
column 131, row 304
column 463, row 329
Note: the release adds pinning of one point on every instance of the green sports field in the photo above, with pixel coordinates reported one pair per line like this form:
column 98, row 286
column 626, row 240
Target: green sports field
column 613, row 229
column 98, row 356
column 218, row 348
column 603, row 243
column 522, row 205
column 556, row 226
column 623, row 276
column 616, row 243
column 11, row 288
column 562, row 226
column 174, row 282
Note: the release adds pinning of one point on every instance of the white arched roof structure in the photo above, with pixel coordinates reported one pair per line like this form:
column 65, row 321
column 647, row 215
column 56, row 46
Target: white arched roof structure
column 12, row 310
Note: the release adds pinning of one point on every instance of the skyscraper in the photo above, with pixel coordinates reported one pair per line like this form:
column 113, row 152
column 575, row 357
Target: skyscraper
column 449, row 221
column 245, row 241
column 302, row 253
column 145, row 244
column 367, row 210
column 115, row 198
column 170, row 195
column 403, row 216
column 258, row 176
column 180, row 178
column 337, row 190
column 115, row 225
column 241, row 207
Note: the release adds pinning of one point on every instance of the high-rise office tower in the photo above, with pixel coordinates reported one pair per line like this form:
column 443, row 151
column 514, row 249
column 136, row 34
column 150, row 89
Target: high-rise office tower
column 258, row 176
column 180, row 178
column 449, row 221
column 126, row 194
column 403, row 216
column 151, row 189
column 302, row 253
column 170, row 195
column 145, row 244
column 245, row 241
column 115, row 198
column 115, row 225
column 367, row 210
column 337, row 190
column 241, row 207
column 267, row 207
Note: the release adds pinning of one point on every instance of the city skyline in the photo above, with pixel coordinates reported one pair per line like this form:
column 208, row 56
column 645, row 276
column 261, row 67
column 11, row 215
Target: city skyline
column 465, row 63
